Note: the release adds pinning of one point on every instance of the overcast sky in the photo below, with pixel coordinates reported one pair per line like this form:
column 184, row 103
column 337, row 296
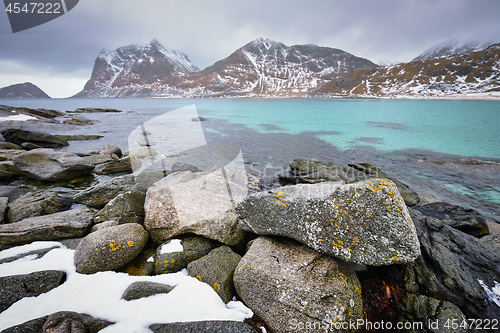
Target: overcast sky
column 58, row 56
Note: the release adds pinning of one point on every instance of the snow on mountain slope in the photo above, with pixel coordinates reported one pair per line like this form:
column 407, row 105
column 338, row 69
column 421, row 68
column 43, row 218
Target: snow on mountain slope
column 465, row 74
column 261, row 68
column 450, row 48
column 126, row 70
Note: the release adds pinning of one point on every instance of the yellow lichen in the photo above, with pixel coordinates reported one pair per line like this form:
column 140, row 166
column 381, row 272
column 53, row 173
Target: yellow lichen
column 355, row 240
column 216, row 286
column 130, row 243
column 198, row 277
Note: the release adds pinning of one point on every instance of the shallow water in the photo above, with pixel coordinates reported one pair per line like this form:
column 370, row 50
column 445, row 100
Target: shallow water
column 446, row 148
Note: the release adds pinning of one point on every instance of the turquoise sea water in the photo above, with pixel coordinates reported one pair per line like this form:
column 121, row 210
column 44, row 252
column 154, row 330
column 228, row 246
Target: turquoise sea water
column 447, row 148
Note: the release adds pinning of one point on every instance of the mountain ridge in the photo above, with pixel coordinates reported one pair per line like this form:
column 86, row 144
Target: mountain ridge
column 22, row 90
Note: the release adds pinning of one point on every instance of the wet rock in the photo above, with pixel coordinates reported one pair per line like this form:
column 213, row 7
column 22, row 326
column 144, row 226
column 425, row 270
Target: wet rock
column 434, row 314
column 68, row 224
column 79, row 121
column 45, row 140
column 203, row 326
column 199, row 203
column 38, row 204
column 13, row 192
column 49, row 165
column 59, row 322
column 122, row 165
column 110, row 248
column 8, row 145
column 145, row 289
column 79, row 137
column 94, row 110
column 451, row 267
column 4, row 203
column 126, row 207
column 143, row 265
column 99, row 195
column 110, row 150
column 285, row 283
column 96, row 159
column 362, row 171
column 303, row 170
column 30, row 146
column 364, row 223
column 217, row 269
column 463, row 219
column 168, row 261
column 13, row 288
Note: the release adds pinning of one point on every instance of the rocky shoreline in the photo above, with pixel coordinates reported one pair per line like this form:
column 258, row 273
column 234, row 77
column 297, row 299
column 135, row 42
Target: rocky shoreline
column 329, row 245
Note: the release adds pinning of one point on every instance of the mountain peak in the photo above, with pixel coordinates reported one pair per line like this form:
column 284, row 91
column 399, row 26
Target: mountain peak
column 23, row 90
column 451, row 47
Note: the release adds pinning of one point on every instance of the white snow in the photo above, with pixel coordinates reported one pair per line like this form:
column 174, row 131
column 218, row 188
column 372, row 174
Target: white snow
column 174, row 245
column 494, row 293
column 19, row 117
column 99, row 295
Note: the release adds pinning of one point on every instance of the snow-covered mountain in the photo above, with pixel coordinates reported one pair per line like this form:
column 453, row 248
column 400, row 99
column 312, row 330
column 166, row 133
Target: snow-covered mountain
column 457, row 75
column 450, row 48
column 261, row 68
column 134, row 71
column 22, row 90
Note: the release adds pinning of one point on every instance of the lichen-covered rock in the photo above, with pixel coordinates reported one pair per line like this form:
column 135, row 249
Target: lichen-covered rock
column 303, row 170
column 434, row 314
column 38, row 204
column 103, row 225
column 365, row 222
column 13, row 288
column 126, row 207
column 201, row 203
column 217, row 269
column 211, row 326
column 286, row 283
column 170, row 262
column 145, row 289
column 68, row 224
column 110, row 248
column 363, row 170
column 49, row 165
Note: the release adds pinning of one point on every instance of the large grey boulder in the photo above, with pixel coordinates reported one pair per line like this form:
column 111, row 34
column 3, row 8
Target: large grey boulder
column 45, row 140
column 365, row 222
column 38, row 204
column 217, row 269
column 68, row 224
column 49, row 165
column 454, row 267
column 201, row 203
column 110, row 248
column 110, row 150
column 286, row 283
column 170, row 261
column 126, row 207
column 211, row 326
column 61, row 322
column 13, row 288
